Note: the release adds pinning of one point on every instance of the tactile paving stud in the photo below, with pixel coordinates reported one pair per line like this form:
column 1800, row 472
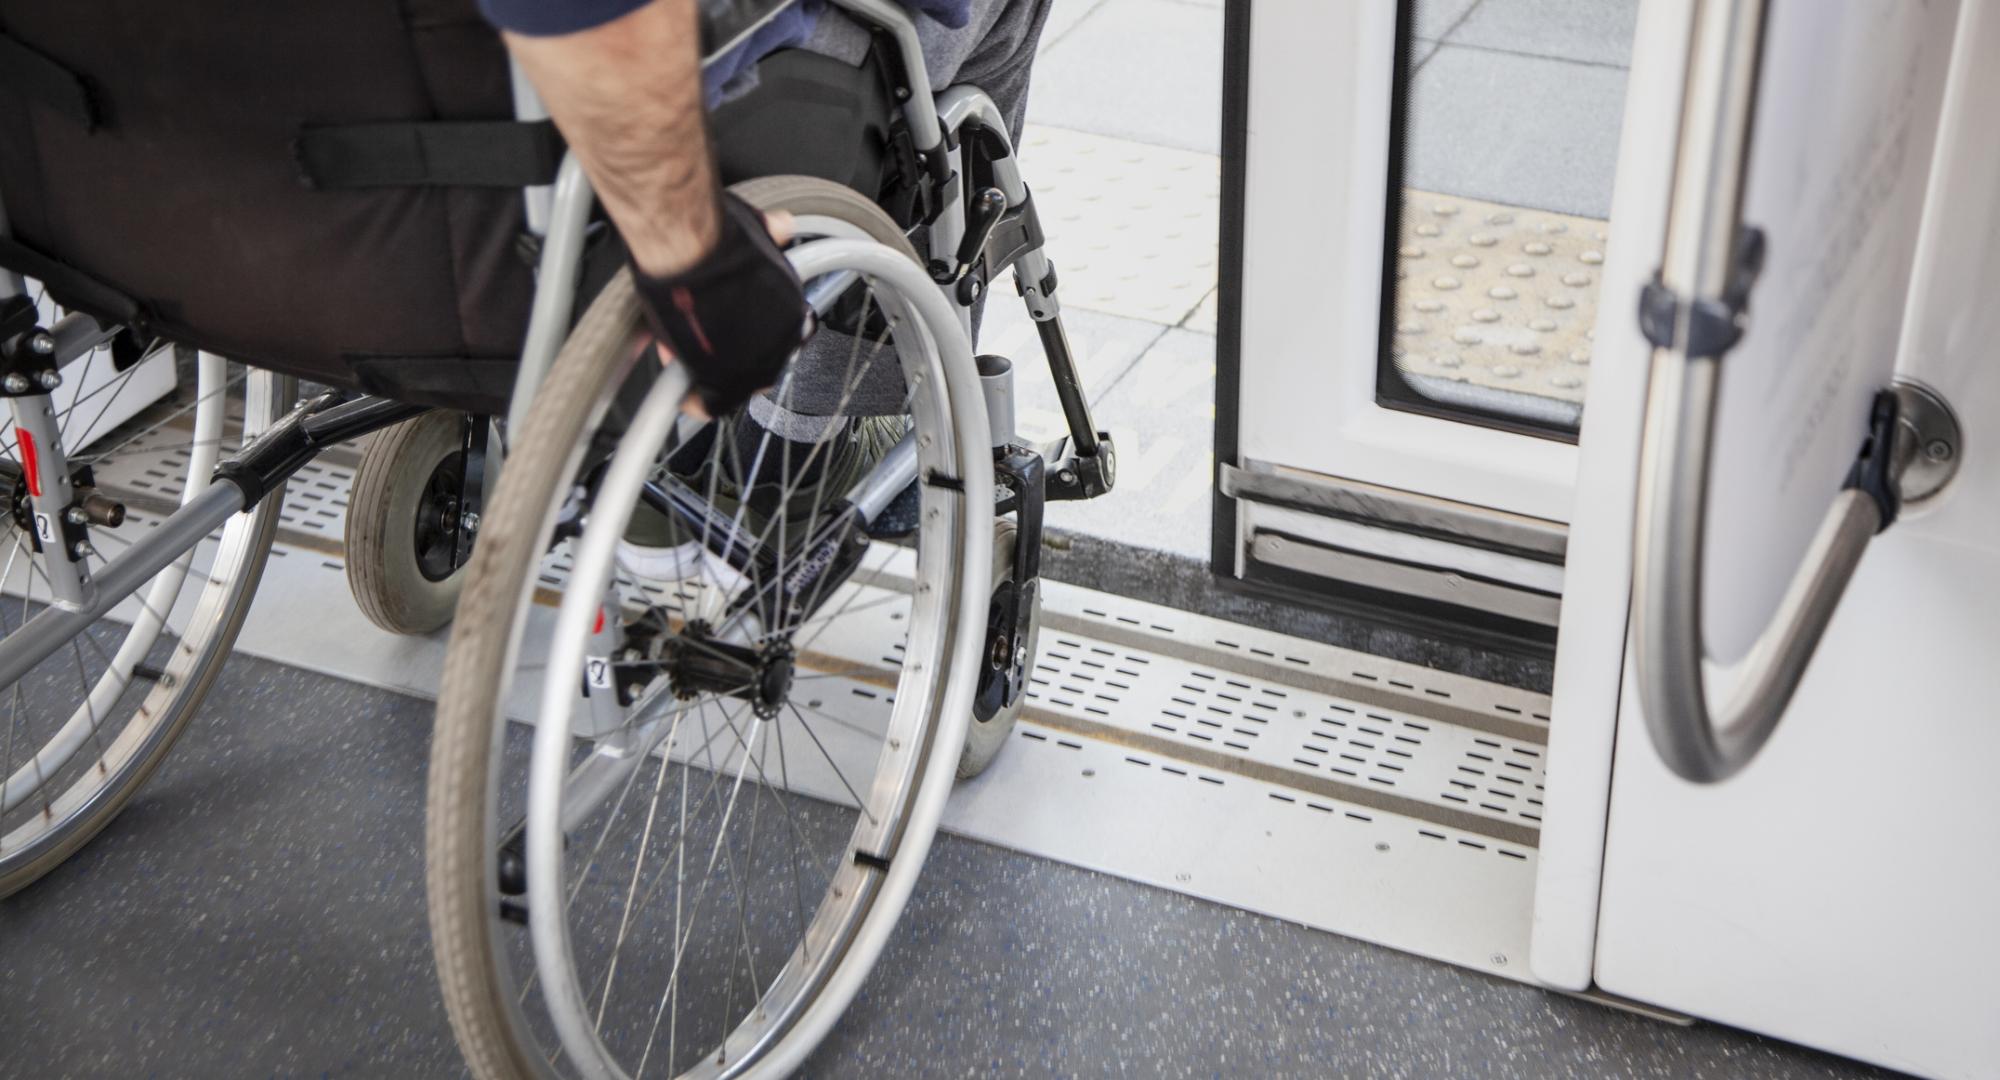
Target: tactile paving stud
column 1131, row 227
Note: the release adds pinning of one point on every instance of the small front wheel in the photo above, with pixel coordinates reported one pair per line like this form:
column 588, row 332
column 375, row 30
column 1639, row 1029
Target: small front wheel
column 406, row 526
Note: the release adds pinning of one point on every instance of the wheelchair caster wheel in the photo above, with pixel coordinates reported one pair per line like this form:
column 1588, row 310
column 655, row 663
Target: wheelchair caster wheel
column 404, row 520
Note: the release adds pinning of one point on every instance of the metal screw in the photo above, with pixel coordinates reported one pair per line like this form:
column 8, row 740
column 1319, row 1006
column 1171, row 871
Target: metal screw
column 1938, row 450
column 49, row 379
column 469, row 522
column 1499, row 959
column 15, row 383
column 1381, row 846
column 1068, row 476
column 78, row 550
column 42, row 344
column 75, row 516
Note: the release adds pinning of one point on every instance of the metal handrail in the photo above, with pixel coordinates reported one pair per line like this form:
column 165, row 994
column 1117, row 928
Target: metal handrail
column 1697, row 739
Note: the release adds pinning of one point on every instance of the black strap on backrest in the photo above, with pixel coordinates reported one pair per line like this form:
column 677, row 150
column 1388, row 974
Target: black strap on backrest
column 430, row 153
column 40, row 79
column 68, row 286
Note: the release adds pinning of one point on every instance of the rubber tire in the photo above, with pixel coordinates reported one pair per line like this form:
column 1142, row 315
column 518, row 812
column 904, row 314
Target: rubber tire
column 264, row 530
column 984, row 738
column 458, row 862
column 382, row 572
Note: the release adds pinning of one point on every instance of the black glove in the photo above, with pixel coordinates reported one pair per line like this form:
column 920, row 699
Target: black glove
column 733, row 318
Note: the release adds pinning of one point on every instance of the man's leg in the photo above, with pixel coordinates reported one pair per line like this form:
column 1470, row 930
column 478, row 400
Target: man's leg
column 994, row 52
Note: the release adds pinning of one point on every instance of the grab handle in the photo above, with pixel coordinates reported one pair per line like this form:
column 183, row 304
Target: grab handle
column 1712, row 261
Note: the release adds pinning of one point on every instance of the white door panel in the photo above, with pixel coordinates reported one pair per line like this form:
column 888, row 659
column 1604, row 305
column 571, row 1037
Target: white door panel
column 1839, row 891
column 1315, row 216
column 1590, row 644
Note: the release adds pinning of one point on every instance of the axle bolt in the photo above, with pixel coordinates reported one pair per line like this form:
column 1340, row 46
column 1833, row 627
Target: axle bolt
column 15, row 383
column 49, row 379
column 1938, row 450
column 42, row 344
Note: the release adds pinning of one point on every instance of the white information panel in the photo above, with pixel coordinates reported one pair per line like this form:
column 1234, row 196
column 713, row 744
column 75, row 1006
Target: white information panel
column 1846, row 118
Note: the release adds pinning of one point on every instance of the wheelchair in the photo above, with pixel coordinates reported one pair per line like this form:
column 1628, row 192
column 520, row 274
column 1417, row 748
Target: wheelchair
column 735, row 749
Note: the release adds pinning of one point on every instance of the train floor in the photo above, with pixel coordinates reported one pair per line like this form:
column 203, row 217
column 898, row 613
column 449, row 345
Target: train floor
column 259, row 911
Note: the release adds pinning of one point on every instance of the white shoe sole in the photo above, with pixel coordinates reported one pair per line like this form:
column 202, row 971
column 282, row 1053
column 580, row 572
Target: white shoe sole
column 685, row 562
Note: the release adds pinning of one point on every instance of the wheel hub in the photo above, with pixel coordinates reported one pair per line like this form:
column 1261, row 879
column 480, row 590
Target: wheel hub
column 698, row 663
column 438, row 519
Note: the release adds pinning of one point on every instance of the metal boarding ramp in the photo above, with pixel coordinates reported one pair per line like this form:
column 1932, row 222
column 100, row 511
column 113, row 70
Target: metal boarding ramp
column 1355, row 794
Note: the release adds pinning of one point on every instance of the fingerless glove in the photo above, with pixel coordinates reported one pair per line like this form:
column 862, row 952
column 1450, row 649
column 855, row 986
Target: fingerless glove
column 734, row 317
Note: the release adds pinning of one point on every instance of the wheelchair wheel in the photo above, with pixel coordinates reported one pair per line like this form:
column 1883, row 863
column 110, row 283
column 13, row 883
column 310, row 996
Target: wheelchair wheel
column 86, row 727
column 403, row 521
column 992, row 715
column 736, row 773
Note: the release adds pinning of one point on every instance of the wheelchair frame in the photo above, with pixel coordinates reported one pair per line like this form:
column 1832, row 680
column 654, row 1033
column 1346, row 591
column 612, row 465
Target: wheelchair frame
column 1003, row 233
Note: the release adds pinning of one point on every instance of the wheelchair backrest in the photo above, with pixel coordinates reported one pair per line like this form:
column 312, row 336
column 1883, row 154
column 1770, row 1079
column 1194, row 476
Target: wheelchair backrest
column 329, row 188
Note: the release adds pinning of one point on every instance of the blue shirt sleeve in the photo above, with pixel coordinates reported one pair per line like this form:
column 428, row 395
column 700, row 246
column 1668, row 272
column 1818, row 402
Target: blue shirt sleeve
column 550, row 18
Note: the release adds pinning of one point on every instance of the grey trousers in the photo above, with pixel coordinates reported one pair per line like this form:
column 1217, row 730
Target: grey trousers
column 995, row 53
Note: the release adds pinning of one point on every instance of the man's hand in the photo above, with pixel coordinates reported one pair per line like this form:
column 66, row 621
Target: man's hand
column 627, row 95
column 734, row 317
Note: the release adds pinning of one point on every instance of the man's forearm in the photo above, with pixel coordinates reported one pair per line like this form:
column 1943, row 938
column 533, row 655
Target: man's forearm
column 628, row 98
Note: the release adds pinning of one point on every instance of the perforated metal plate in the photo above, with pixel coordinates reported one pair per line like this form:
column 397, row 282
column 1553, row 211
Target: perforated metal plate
column 1340, row 790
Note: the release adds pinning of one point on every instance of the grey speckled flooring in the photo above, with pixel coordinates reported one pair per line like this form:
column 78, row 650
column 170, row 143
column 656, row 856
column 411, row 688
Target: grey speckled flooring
column 259, row 912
